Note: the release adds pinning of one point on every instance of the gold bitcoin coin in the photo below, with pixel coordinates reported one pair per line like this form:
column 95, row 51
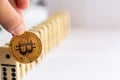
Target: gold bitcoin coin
column 25, row 48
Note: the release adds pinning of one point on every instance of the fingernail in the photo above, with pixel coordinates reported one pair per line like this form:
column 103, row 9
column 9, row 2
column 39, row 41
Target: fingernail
column 19, row 30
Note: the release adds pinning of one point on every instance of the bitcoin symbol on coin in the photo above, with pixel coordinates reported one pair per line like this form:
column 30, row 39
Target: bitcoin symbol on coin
column 25, row 48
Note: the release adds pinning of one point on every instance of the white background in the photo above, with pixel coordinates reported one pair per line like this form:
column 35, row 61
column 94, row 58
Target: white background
column 89, row 12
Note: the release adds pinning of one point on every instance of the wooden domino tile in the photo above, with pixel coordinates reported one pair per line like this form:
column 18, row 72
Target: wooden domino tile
column 10, row 69
column 50, row 35
column 22, row 69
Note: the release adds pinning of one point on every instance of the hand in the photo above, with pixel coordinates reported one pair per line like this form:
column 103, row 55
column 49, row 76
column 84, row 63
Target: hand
column 11, row 15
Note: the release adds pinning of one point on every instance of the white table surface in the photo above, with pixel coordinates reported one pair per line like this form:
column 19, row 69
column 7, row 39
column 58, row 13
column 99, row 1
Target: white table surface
column 86, row 54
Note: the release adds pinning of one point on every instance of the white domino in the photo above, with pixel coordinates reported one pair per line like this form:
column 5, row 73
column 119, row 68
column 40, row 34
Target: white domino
column 10, row 69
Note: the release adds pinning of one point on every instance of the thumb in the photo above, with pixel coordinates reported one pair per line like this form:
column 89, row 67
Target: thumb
column 10, row 17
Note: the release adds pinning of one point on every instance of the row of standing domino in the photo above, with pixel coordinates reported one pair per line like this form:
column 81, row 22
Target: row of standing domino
column 51, row 32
